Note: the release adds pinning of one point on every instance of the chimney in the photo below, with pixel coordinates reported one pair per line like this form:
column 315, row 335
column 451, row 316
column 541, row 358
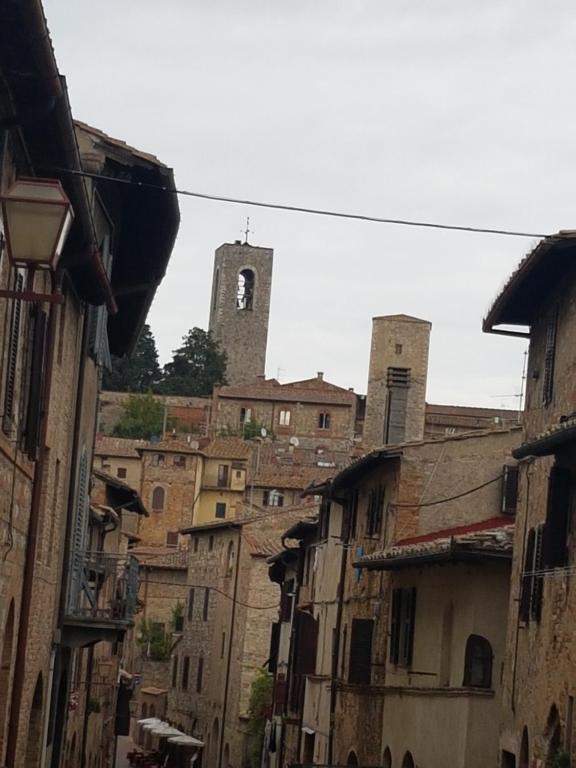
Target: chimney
column 320, row 375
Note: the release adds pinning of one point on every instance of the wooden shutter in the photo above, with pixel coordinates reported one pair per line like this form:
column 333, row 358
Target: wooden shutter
column 274, row 644
column 538, row 578
column 527, row 578
column 34, row 413
column 557, row 517
column 395, row 618
column 12, row 358
column 549, row 355
column 510, row 489
column 360, row 665
column 307, row 643
column 80, row 525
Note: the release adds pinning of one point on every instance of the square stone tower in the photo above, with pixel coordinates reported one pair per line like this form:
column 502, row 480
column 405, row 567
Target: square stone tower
column 240, row 307
column 396, row 398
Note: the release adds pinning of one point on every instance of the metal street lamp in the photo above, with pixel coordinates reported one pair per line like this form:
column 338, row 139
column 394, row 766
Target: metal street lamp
column 37, row 216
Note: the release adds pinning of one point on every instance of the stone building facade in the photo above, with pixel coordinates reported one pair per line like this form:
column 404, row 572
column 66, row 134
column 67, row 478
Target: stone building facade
column 49, row 373
column 539, row 303
column 354, row 700
column 184, row 415
column 240, row 307
column 120, row 458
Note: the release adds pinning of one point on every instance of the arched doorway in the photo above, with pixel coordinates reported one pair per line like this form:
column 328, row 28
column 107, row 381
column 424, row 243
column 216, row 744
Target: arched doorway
column 524, row 750
column 5, row 669
column 34, row 742
column 552, row 735
column 227, row 756
column 352, row 759
column 408, row 761
column 387, row 760
column 215, row 740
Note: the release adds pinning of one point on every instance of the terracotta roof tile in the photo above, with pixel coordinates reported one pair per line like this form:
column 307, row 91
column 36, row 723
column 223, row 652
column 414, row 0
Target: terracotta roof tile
column 290, row 476
column 305, row 391
column 227, row 448
column 260, row 545
column 118, row 446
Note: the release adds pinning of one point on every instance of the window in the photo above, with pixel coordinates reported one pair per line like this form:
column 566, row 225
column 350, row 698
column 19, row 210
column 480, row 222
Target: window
column 172, row 538
column 190, row 603
column 245, row 290
column 175, row 671
column 306, row 643
column 349, row 519
column 180, row 461
column 324, row 420
column 158, row 499
column 324, row 521
column 185, row 673
column 199, row 674
column 532, row 579
column 284, row 418
column 245, row 415
column 230, row 559
column 558, row 517
column 121, row 472
column 360, row 660
column 387, row 762
column 157, row 459
column 195, row 544
column 206, row 604
column 398, row 385
column 223, row 645
column 509, row 489
column 210, row 543
column 179, row 623
column 478, row 663
column 398, row 349
column 375, row 511
column 402, row 626
column 408, row 761
column 549, row 356
column 273, row 498
column 220, row 509
column 36, row 383
column 223, row 475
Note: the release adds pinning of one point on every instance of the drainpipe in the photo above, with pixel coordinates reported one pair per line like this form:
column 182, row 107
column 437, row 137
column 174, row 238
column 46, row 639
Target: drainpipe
column 229, row 659
column 30, row 556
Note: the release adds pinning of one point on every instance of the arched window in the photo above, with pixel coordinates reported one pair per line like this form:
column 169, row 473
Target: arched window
column 230, row 559
column 524, row 750
column 552, row 735
column 34, row 735
column 387, row 762
column 352, row 759
column 478, row 662
column 158, row 499
column 408, row 761
column 245, row 290
column 5, row 668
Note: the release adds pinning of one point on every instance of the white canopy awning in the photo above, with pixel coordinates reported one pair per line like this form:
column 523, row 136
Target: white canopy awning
column 186, row 740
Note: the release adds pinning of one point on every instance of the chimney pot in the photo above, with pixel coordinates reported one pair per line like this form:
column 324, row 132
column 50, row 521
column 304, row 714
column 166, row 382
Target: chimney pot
column 237, row 242
column 320, row 375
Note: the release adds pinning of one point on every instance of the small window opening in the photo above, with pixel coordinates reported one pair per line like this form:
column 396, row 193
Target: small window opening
column 478, row 663
column 121, row 473
column 273, row 498
column 284, row 418
column 398, row 349
column 245, row 290
column 158, row 499
column 324, row 421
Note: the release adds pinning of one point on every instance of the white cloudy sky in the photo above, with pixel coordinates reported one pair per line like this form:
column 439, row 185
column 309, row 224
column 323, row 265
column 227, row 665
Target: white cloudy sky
column 451, row 111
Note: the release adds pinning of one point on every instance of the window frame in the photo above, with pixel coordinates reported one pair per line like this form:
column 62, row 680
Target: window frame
column 485, row 656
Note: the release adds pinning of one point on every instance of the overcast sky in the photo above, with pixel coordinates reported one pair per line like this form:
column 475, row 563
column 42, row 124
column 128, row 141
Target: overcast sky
column 452, row 111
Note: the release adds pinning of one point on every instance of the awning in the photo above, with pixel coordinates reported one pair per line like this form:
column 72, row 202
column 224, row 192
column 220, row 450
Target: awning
column 188, row 741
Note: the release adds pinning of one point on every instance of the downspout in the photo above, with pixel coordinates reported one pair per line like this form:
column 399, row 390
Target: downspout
column 30, row 557
column 336, row 649
column 229, row 659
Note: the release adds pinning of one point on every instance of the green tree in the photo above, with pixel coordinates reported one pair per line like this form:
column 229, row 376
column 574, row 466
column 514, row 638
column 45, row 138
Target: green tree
column 196, row 366
column 138, row 372
column 258, row 709
column 141, row 419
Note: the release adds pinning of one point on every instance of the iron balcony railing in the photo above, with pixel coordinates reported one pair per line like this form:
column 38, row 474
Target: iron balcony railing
column 103, row 587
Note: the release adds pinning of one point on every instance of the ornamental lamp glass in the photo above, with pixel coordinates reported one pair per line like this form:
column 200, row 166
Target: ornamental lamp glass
column 37, row 217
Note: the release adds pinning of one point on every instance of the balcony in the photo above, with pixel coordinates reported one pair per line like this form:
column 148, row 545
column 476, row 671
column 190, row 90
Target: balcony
column 102, row 596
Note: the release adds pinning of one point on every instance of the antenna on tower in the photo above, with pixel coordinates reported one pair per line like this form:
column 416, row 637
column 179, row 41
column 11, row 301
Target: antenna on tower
column 522, row 386
column 247, row 231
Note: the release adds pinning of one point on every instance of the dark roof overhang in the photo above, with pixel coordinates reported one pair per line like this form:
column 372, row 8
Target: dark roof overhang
column 455, row 554
column 548, row 443
column 127, row 497
column 362, row 466
column 519, row 302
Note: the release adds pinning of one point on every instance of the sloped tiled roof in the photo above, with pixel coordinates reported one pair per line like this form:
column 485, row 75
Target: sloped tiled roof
column 119, row 144
column 260, row 545
column 549, row 441
column 314, row 390
column 168, row 446
column 493, row 537
column 227, row 448
column 161, row 557
column 118, row 446
column 290, row 476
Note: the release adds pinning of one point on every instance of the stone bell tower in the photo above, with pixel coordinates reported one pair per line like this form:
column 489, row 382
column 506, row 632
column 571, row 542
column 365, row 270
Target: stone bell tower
column 240, row 307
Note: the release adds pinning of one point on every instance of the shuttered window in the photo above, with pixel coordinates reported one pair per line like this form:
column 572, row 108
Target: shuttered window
column 350, row 518
column 80, row 525
column 510, row 490
column 306, row 643
column 375, row 511
column 12, row 359
column 537, row 578
column 403, row 617
column 360, row 662
column 557, row 518
column 549, row 358
column 185, row 673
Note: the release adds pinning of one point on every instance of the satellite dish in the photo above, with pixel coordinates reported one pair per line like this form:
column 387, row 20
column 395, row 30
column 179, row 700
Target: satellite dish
column 263, row 432
column 294, row 441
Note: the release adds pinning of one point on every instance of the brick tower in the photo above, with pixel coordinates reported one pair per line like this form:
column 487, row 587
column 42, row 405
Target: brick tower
column 396, row 398
column 240, row 307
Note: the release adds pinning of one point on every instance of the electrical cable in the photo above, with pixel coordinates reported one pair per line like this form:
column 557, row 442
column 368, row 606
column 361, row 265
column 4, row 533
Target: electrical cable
column 220, row 592
column 303, row 209
column 451, row 498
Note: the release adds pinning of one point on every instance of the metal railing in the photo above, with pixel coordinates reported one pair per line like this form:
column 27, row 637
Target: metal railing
column 103, row 587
